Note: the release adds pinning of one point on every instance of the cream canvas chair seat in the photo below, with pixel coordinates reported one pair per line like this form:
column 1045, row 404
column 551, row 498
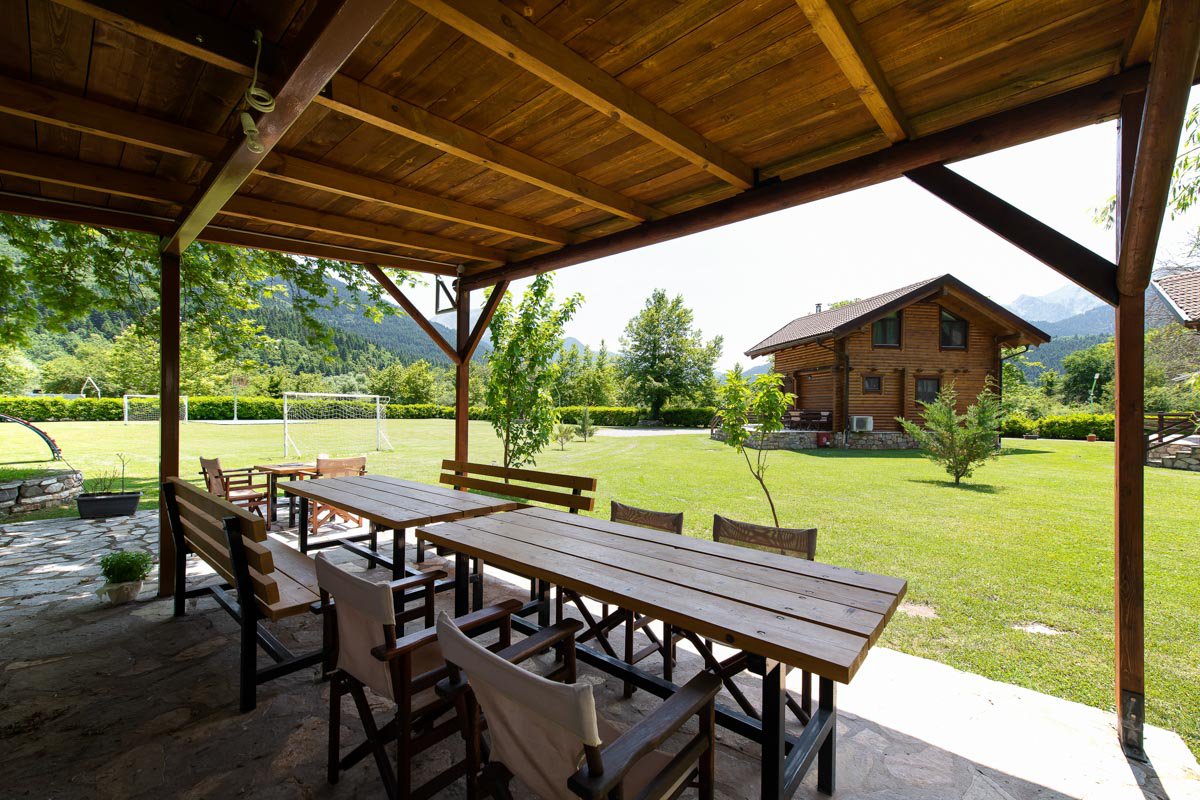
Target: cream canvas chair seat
column 548, row 735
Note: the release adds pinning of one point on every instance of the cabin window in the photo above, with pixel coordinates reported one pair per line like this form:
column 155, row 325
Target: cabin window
column 872, row 384
column 886, row 331
column 927, row 389
column 954, row 332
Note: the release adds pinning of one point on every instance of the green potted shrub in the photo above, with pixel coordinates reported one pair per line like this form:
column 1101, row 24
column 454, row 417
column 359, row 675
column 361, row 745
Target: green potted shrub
column 123, row 573
column 101, row 501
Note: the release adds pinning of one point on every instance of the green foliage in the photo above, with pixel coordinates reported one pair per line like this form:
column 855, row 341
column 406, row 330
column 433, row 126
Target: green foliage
column 405, row 385
column 1077, row 426
column 221, row 408
column 1080, row 369
column 615, row 416
column 1015, row 426
column 126, row 566
column 586, row 428
column 665, row 356
column 525, row 340
column 584, row 378
column 763, row 399
column 959, row 442
column 563, row 433
column 689, row 417
column 50, row 409
column 17, row 373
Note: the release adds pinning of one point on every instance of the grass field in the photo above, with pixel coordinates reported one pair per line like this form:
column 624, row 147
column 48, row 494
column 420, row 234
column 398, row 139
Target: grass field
column 1029, row 540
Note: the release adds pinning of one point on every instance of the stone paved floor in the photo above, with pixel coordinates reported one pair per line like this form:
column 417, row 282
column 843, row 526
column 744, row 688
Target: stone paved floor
column 129, row 702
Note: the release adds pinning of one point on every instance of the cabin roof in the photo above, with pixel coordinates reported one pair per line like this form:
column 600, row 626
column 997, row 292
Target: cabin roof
column 1181, row 293
column 835, row 323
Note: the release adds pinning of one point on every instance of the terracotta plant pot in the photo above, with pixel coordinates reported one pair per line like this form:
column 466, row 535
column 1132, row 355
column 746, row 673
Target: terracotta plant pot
column 120, row 593
column 1093, row 437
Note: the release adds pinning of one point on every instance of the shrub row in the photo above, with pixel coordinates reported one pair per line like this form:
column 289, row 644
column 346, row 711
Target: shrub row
column 1062, row 426
column 90, row 409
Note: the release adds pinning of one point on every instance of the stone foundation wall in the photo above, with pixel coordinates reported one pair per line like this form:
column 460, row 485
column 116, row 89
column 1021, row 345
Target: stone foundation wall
column 807, row 440
column 1185, row 458
column 43, row 491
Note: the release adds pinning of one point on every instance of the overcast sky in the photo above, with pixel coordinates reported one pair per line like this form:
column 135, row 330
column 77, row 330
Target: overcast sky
column 746, row 280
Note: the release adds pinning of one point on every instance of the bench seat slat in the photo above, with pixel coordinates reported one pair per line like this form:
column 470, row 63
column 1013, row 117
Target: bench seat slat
column 579, row 482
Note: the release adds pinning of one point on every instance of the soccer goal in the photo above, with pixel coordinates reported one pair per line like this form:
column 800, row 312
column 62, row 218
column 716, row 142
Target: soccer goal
column 147, row 408
column 335, row 424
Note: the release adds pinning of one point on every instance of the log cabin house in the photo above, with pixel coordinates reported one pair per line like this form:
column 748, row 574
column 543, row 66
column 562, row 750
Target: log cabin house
column 855, row 368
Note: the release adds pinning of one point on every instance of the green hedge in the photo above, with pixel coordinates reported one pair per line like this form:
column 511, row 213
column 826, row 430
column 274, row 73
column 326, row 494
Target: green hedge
column 220, row 408
column 1061, row 426
column 1017, row 425
column 601, row 415
column 688, row 417
column 55, row 409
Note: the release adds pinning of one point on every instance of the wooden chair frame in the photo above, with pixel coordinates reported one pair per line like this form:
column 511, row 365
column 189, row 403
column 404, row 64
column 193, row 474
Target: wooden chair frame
column 232, row 481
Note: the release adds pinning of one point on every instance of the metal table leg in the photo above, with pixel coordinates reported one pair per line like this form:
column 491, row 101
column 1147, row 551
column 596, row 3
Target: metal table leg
column 774, row 722
column 398, row 570
column 303, row 525
column 462, row 584
column 272, row 490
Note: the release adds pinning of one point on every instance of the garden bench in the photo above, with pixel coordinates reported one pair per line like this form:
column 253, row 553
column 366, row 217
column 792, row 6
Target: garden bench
column 272, row 581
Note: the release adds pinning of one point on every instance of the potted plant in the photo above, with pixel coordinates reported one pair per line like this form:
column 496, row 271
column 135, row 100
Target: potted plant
column 1091, row 437
column 102, row 501
column 123, row 573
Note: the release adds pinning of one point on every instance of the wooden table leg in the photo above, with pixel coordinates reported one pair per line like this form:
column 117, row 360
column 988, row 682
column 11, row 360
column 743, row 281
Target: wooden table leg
column 303, row 525
column 774, row 721
column 462, row 584
column 273, row 488
column 398, row 570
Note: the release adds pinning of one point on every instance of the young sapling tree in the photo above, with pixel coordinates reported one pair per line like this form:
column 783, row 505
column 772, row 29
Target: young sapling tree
column 765, row 400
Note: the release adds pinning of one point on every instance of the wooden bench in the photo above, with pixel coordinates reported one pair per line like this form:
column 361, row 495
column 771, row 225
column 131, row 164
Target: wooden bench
column 281, row 581
column 535, row 486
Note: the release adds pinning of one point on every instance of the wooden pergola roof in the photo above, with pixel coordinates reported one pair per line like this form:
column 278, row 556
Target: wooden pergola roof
column 496, row 140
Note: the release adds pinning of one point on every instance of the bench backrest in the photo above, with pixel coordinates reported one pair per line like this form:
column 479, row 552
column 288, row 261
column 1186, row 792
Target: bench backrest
column 199, row 519
column 341, row 467
column 512, row 482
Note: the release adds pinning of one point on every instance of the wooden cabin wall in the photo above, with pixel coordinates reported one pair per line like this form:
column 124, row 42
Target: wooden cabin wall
column 808, row 373
column 919, row 355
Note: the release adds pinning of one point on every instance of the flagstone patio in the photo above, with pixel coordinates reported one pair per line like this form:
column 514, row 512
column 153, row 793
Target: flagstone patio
column 129, row 702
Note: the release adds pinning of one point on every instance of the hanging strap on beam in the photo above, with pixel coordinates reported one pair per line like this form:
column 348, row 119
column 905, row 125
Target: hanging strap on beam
column 1062, row 254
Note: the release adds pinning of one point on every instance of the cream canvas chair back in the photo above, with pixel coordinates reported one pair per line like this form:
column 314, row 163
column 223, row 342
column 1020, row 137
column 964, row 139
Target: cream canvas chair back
column 341, row 467
column 362, row 609
column 538, row 727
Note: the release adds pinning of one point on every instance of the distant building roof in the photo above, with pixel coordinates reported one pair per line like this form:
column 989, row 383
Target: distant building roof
column 1181, row 293
column 837, row 322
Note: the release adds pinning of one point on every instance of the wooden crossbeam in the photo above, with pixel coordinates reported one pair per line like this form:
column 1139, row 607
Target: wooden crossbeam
column 1172, row 71
column 411, row 309
column 1062, row 254
column 1141, row 41
column 501, row 30
column 837, row 28
column 97, row 177
column 102, row 217
column 369, row 105
column 247, row 207
column 485, row 319
column 333, row 31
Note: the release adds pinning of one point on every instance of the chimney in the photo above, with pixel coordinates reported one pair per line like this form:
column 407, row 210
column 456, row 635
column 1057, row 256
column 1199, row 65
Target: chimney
column 818, row 308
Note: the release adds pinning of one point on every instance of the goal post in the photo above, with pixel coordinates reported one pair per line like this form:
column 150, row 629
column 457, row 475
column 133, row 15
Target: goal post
column 148, row 408
column 337, row 424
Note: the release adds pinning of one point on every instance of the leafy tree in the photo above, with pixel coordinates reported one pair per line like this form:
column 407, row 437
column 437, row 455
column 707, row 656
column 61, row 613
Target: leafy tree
column 959, row 442
column 665, row 356
column 133, row 364
column 764, row 399
column 17, row 372
column 525, row 339
column 274, row 382
column 55, row 273
column 842, row 303
column 1048, row 382
column 415, row 383
column 563, row 433
column 1080, row 369
column 586, row 428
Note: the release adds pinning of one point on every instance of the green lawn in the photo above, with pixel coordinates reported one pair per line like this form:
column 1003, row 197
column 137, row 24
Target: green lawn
column 1029, row 540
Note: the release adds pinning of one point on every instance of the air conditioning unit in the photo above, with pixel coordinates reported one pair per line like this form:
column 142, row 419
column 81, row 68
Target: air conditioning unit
column 861, row 424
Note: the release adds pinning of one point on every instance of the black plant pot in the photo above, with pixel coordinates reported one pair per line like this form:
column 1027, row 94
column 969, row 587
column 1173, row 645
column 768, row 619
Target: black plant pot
column 96, row 505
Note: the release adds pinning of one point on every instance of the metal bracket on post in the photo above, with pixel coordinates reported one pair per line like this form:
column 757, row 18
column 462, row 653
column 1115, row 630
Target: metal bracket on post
column 1133, row 721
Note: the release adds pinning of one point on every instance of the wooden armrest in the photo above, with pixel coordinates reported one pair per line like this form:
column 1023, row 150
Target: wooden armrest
column 546, row 638
column 476, row 619
column 413, row 581
column 619, row 756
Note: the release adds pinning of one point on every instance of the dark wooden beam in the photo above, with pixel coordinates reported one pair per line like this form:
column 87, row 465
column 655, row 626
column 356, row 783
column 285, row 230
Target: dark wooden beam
column 411, row 309
column 83, row 175
column 1090, row 104
column 1062, row 254
column 1130, row 454
column 331, row 34
column 1172, row 71
column 485, row 319
column 503, row 31
column 462, row 376
column 168, row 404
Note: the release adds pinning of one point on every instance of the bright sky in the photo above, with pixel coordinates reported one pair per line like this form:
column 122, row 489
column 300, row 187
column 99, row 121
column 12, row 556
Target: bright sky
column 746, row 280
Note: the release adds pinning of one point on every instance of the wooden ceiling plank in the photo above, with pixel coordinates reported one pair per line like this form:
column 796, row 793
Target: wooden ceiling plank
column 331, row 34
column 374, row 107
column 838, row 30
column 95, row 177
column 1172, row 72
column 411, row 309
column 499, row 29
column 247, row 207
column 1141, row 41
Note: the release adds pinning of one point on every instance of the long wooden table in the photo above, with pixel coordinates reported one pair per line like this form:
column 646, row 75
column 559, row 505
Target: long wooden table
column 782, row 612
column 388, row 503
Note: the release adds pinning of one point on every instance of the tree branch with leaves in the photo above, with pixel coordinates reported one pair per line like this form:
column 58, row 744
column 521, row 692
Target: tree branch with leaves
column 763, row 401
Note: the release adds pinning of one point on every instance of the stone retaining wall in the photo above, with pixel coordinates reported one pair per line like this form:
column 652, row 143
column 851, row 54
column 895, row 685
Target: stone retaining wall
column 42, row 491
column 807, row 440
column 1185, row 458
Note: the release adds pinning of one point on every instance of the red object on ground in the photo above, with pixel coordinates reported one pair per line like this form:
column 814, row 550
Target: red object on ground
column 824, row 439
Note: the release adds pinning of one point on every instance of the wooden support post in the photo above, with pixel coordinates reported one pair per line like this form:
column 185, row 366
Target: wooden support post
column 1129, row 578
column 168, row 418
column 462, row 376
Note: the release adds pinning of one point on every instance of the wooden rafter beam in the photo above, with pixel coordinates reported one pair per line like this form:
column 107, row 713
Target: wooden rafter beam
column 373, row 107
column 102, row 217
column 96, row 177
column 411, row 309
column 333, row 31
column 837, row 28
column 485, row 319
column 1062, row 254
column 1172, row 71
column 1141, row 41
column 1085, row 106
column 503, row 31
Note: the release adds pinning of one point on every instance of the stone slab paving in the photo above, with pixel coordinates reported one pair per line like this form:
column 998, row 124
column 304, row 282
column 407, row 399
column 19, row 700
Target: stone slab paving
column 129, row 702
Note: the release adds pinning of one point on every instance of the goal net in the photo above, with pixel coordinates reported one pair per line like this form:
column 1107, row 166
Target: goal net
column 147, row 408
column 333, row 424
